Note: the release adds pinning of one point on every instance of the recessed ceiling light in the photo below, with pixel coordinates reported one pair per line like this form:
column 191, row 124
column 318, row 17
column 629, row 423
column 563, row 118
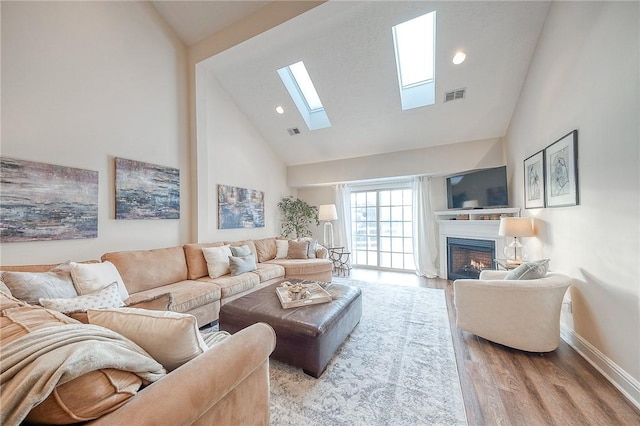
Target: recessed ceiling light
column 459, row 58
column 279, row 110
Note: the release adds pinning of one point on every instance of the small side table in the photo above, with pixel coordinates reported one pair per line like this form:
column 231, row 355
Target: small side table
column 505, row 264
column 340, row 259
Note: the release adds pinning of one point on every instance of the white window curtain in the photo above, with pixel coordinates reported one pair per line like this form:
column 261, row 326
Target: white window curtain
column 343, row 206
column 424, row 237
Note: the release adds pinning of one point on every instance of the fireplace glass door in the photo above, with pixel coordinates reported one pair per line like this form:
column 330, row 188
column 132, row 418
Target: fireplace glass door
column 467, row 257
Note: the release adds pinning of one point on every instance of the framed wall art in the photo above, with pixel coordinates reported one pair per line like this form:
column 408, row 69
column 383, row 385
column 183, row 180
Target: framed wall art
column 561, row 171
column 240, row 208
column 42, row 202
column 146, row 191
column 534, row 191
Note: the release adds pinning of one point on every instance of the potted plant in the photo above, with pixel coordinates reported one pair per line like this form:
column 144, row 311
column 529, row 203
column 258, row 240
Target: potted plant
column 297, row 215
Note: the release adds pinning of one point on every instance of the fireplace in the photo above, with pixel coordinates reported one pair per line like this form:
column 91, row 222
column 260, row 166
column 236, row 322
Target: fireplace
column 467, row 257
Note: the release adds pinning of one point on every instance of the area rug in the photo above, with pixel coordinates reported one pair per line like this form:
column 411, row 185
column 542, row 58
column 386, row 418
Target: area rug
column 396, row 368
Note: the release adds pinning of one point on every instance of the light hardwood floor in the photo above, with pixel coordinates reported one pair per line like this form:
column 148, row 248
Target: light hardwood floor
column 504, row 386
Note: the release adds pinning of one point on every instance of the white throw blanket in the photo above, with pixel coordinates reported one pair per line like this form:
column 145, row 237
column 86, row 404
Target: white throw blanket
column 34, row 364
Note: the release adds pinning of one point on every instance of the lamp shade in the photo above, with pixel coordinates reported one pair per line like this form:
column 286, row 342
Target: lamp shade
column 515, row 227
column 327, row 212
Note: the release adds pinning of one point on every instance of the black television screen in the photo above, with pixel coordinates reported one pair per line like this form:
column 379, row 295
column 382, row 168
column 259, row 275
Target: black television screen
column 479, row 188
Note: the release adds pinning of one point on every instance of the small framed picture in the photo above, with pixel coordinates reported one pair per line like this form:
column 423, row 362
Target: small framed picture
column 561, row 171
column 534, row 181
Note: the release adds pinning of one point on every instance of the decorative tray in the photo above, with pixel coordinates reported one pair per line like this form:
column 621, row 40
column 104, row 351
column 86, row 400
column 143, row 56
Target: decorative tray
column 314, row 295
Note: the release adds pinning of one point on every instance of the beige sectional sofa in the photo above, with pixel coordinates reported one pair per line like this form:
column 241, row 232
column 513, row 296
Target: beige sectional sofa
column 226, row 384
column 182, row 272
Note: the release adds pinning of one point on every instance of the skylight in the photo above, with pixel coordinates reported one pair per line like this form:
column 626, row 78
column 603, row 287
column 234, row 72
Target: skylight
column 304, row 95
column 414, row 43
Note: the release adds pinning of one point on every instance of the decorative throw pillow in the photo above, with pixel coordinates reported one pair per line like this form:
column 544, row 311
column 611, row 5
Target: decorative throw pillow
column 265, row 249
column 91, row 277
column 217, row 260
column 160, row 302
column 31, row 286
column 171, row 338
column 240, row 265
column 282, row 248
column 108, row 297
column 529, row 270
column 240, row 251
column 313, row 246
column 298, row 249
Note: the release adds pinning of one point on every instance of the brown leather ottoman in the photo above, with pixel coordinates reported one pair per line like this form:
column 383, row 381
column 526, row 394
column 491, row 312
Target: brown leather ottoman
column 306, row 337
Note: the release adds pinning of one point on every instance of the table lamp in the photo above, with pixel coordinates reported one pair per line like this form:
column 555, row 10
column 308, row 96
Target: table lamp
column 327, row 213
column 515, row 227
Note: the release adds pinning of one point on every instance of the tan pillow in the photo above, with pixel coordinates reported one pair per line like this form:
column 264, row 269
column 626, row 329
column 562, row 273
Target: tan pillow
column 108, row 297
column 196, row 263
column 298, row 249
column 87, row 397
column 266, row 249
column 161, row 302
column 171, row 338
column 217, row 260
column 91, row 277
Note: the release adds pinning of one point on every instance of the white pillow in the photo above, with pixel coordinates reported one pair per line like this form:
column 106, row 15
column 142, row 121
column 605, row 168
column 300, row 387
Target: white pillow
column 91, row 277
column 217, row 260
column 171, row 338
column 108, row 297
column 31, row 286
column 282, row 248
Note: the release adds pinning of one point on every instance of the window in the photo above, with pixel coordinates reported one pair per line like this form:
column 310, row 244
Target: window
column 304, row 95
column 414, row 43
column 381, row 223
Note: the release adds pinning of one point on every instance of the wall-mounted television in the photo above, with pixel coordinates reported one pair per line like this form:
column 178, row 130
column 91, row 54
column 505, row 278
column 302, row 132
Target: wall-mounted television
column 478, row 189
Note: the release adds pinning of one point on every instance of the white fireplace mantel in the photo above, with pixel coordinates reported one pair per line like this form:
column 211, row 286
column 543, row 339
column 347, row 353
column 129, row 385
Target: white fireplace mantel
column 472, row 229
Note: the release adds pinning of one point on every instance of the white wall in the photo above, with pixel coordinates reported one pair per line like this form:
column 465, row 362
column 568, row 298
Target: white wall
column 437, row 160
column 584, row 75
column 82, row 83
column 231, row 152
column 314, row 181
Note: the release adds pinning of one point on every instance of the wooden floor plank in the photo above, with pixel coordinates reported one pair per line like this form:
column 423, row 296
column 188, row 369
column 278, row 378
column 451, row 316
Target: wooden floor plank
column 505, row 386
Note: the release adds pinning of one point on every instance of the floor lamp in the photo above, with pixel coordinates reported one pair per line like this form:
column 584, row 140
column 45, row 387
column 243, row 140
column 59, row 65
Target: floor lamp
column 327, row 213
column 515, row 227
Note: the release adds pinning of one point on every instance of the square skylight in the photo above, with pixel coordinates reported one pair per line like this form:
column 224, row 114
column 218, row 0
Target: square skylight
column 304, row 95
column 414, row 43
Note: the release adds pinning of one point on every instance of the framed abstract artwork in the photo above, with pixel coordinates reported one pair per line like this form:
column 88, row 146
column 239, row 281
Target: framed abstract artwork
column 561, row 171
column 146, row 191
column 42, row 202
column 240, row 208
column 534, row 183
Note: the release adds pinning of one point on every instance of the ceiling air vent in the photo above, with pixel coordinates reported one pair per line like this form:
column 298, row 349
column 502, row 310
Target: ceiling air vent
column 454, row 94
column 293, row 131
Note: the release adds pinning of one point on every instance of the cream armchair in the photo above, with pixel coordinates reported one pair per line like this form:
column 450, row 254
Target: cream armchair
column 522, row 314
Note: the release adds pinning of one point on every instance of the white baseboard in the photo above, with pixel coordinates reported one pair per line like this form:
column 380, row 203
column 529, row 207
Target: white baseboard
column 626, row 384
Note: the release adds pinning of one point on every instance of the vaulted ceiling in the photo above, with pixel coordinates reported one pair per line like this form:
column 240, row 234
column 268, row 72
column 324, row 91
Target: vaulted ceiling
column 347, row 48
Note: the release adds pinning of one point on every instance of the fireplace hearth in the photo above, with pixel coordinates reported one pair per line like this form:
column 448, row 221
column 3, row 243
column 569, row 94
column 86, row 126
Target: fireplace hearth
column 467, row 257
